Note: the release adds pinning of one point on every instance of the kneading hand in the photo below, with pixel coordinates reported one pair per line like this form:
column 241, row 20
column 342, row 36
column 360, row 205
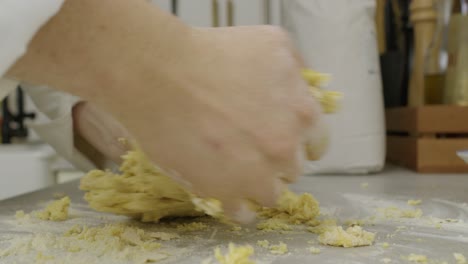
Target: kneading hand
column 234, row 122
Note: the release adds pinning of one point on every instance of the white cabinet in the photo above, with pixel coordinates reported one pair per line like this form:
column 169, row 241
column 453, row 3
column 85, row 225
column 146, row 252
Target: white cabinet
column 24, row 168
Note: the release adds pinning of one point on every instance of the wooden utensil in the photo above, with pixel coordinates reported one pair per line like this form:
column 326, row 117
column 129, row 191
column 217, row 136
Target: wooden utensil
column 423, row 18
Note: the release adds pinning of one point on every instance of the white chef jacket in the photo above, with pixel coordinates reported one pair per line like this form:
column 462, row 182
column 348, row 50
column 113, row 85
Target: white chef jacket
column 19, row 22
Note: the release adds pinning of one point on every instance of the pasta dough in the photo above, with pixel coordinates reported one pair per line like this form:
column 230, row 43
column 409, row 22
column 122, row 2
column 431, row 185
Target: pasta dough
column 141, row 191
column 351, row 237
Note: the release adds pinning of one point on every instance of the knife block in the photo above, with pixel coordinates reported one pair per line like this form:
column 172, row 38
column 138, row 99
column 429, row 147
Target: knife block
column 426, row 139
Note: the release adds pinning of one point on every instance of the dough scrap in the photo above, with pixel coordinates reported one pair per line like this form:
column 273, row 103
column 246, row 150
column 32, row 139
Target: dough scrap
column 113, row 242
column 315, row 250
column 55, row 211
column 263, row 243
column 273, row 225
column 353, row 236
column 293, row 209
column 235, row 255
column 193, row 226
column 414, row 202
column 395, row 212
column 279, row 249
column 417, row 258
column 459, row 258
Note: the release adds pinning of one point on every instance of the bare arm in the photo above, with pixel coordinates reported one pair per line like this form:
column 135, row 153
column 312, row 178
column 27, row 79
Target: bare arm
column 224, row 110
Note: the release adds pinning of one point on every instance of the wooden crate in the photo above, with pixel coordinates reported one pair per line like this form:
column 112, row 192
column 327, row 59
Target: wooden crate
column 425, row 139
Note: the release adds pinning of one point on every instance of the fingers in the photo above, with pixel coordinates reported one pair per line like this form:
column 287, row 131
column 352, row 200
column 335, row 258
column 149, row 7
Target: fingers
column 317, row 140
column 238, row 211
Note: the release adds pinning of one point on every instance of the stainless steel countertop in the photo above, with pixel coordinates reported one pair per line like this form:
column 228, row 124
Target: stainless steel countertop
column 341, row 196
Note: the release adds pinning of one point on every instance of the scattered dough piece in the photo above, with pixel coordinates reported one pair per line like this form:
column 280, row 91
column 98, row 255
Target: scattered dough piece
column 385, row 245
column 21, row 215
column 162, row 235
column 55, row 211
column 273, row 224
column 279, row 249
column 323, row 226
column 364, row 185
column 386, row 260
column 41, row 258
column 394, row 212
column 235, row 255
column 417, row 258
column 459, row 258
column 194, row 226
column 296, row 209
column 263, row 243
column 414, row 202
column 354, row 236
column 315, row 250
column 113, row 242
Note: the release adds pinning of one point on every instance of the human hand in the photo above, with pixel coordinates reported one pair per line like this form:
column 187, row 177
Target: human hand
column 234, row 122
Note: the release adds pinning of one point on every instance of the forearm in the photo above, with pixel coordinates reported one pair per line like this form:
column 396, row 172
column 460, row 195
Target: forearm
column 91, row 44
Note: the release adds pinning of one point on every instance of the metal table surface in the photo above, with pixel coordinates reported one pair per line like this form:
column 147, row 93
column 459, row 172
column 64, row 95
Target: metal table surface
column 344, row 197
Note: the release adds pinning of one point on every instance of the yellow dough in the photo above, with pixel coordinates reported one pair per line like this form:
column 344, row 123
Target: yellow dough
column 353, row 236
column 55, row 211
column 417, row 258
column 236, row 255
column 141, row 191
column 460, row 258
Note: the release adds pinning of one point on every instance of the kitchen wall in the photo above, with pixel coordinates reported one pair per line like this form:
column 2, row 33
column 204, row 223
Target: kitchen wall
column 247, row 12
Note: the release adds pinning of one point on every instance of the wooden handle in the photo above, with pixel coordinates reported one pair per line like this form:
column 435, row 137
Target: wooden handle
column 214, row 13
column 423, row 18
column 380, row 25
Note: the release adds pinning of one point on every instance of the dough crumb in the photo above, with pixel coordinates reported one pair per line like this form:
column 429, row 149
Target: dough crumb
column 414, row 202
column 459, row 258
column 293, row 208
column 364, row 185
column 236, row 228
column 55, row 211
column 21, row 215
column 235, row 255
column 315, row 250
column 279, row 249
column 113, row 242
column 323, row 226
column 386, row 260
column 194, row 226
column 59, row 195
column 274, row 225
column 385, row 245
column 41, row 258
column 417, row 258
column 263, row 243
column 394, row 212
column 354, row 236
column 163, row 235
